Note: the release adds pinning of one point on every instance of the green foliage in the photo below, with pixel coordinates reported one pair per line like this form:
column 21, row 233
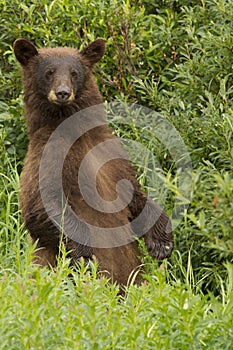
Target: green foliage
column 174, row 57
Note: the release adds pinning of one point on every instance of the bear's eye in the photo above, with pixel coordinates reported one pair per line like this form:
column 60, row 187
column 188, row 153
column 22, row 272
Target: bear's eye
column 74, row 73
column 49, row 73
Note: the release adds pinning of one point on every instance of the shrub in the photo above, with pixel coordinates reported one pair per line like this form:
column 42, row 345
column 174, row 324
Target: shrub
column 172, row 56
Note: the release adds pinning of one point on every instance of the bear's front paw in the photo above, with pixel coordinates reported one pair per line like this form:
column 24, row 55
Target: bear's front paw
column 158, row 248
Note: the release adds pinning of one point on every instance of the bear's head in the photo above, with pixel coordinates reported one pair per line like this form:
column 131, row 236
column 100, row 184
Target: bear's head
column 57, row 78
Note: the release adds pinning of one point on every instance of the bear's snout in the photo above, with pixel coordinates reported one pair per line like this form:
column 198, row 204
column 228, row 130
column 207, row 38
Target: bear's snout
column 63, row 93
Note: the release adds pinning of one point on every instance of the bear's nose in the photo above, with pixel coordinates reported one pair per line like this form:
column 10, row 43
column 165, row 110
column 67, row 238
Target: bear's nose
column 63, row 93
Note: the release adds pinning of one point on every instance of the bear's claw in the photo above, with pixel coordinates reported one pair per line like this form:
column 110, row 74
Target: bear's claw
column 157, row 247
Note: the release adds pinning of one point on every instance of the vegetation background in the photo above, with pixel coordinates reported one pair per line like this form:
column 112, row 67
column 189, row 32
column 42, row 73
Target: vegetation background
column 175, row 57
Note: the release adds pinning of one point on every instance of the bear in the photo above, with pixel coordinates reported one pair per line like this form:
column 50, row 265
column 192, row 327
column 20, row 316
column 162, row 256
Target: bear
column 59, row 83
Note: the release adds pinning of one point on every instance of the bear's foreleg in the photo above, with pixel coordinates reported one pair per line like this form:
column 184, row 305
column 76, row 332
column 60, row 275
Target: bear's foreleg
column 150, row 219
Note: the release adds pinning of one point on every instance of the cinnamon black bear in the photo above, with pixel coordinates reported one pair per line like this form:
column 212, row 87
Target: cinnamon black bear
column 58, row 83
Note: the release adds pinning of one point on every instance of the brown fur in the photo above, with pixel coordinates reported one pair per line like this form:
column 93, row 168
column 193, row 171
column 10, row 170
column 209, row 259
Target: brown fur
column 43, row 116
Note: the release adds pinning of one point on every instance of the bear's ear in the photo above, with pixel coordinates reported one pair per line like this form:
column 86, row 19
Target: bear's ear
column 94, row 51
column 24, row 50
